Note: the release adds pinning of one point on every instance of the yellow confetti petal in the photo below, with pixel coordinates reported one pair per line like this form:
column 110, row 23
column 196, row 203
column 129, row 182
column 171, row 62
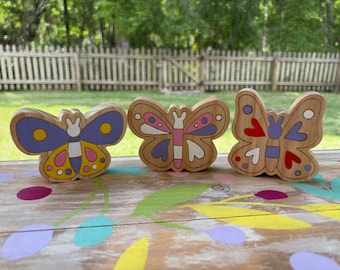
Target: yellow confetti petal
column 331, row 210
column 250, row 217
column 134, row 257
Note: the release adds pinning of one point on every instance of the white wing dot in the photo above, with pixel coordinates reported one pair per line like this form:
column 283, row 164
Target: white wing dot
column 308, row 114
column 218, row 117
column 138, row 116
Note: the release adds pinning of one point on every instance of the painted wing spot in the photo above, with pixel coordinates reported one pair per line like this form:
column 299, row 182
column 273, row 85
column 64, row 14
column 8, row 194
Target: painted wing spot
column 255, row 154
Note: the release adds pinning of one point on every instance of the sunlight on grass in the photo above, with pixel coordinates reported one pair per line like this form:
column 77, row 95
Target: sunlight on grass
column 53, row 101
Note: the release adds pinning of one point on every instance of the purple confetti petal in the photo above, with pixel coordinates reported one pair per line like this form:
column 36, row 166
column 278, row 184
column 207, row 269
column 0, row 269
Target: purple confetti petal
column 226, row 234
column 27, row 241
column 34, row 193
column 310, row 261
column 271, row 194
column 5, row 177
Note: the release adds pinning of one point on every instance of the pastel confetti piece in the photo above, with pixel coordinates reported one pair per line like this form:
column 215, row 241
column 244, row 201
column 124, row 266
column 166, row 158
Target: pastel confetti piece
column 311, row 261
column 34, row 193
column 27, row 241
column 31, row 172
column 134, row 257
column 249, row 217
column 5, row 177
column 178, row 174
column 226, row 234
column 132, row 170
column 93, row 231
column 271, row 194
column 224, row 177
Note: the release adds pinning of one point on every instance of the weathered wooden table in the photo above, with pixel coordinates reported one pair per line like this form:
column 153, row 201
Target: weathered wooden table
column 134, row 218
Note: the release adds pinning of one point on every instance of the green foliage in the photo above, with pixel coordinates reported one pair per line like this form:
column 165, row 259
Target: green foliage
column 290, row 25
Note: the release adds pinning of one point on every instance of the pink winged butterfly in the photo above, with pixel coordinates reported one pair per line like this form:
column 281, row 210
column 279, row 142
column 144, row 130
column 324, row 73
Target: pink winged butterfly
column 73, row 145
column 277, row 142
column 180, row 138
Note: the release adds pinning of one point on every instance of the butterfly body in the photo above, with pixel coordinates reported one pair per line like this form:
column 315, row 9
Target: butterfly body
column 277, row 142
column 73, row 145
column 180, row 138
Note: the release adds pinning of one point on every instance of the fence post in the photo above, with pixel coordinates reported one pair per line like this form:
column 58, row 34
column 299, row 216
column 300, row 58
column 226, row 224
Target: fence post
column 201, row 82
column 77, row 71
column 275, row 73
column 337, row 80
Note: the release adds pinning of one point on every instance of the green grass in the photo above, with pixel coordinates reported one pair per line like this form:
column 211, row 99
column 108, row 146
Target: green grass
column 54, row 101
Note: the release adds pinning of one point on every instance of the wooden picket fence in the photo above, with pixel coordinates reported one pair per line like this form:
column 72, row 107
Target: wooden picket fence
column 47, row 68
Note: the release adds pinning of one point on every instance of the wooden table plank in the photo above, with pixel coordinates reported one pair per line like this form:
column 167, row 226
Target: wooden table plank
column 180, row 242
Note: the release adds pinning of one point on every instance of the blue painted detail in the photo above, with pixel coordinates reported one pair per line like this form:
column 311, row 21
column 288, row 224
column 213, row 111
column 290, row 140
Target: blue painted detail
column 247, row 109
column 161, row 150
column 91, row 133
column 272, row 151
column 294, row 134
column 308, row 167
column 76, row 162
column 55, row 136
column 204, row 131
column 275, row 129
column 245, row 166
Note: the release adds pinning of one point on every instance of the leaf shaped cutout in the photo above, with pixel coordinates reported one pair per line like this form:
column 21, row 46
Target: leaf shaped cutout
column 318, row 178
column 27, row 241
column 335, row 184
column 330, row 210
column 226, row 234
column 269, row 194
column 317, row 191
column 160, row 200
column 93, row 231
column 249, row 217
column 134, row 257
column 307, row 260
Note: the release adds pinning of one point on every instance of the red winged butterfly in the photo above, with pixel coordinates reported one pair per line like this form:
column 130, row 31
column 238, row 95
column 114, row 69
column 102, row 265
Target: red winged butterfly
column 277, row 142
column 179, row 138
column 73, row 145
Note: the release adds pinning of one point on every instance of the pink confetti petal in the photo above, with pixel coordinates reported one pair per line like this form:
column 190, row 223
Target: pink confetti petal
column 178, row 174
column 271, row 194
column 34, row 193
column 224, row 177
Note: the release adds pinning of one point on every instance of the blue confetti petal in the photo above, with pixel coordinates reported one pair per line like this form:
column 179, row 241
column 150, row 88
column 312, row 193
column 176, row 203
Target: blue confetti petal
column 132, row 170
column 93, row 231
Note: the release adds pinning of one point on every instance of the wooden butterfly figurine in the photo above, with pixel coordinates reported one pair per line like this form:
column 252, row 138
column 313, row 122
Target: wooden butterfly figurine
column 73, row 145
column 180, row 138
column 277, row 142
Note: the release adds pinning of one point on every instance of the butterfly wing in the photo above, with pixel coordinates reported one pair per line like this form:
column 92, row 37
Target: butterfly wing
column 250, row 128
column 57, row 166
column 35, row 132
column 302, row 131
column 206, row 121
column 151, row 122
column 105, row 125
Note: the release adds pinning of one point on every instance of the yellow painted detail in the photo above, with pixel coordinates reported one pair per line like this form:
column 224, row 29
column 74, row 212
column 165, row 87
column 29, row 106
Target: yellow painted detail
column 39, row 134
column 105, row 128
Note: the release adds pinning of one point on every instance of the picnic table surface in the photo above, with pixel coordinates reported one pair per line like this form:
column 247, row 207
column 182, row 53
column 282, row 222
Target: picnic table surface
column 133, row 217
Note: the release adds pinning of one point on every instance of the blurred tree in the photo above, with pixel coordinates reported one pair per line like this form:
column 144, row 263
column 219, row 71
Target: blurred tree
column 285, row 25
